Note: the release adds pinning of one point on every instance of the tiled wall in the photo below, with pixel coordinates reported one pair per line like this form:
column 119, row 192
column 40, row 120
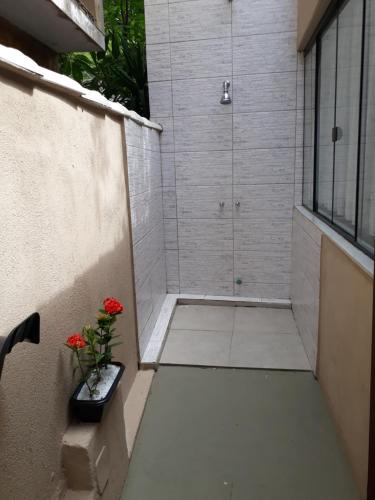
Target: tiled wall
column 245, row 152
column 306, row 282
column 146, row 206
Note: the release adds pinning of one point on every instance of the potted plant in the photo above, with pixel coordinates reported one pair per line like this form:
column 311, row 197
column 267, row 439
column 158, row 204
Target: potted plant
column 92, row 350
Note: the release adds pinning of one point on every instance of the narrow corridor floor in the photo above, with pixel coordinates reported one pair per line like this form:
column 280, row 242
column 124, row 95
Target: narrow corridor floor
column 239, row 337
column 229, row 434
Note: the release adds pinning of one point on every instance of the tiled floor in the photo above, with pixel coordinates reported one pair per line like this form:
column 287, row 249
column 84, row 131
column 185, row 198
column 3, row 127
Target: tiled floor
column 241, row 337
column 218, row 434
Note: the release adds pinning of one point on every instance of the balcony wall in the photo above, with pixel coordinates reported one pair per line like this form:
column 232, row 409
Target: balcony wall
column 66, row 245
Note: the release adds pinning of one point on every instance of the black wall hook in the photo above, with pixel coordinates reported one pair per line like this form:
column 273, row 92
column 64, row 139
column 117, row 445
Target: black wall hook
column 28, row 330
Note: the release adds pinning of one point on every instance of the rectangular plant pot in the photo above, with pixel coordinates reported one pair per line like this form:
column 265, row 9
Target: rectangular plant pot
column 91, row 410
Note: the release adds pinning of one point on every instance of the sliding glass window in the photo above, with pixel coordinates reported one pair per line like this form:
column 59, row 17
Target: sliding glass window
column 339, row 152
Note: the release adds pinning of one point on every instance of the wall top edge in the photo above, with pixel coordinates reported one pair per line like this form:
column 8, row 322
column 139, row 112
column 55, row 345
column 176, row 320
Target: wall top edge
column 17, row 62
column 355, row 254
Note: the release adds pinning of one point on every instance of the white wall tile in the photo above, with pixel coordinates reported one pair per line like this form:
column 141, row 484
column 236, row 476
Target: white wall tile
column 200, row 96
column 203, row 202
column 198, row 265
column 263, row 234
column 160, row 99
column 263, row 166
column 172, row 265
column 168, row 169
column 268, row 92
column 264, row 200
column 199, row 19
column 144, row 170
column 159, row 62
column 170, row 234
column 169, row 203
column 264, row 53
column 207, row 168
column 167, row 136
column 157, row 23
column 263, row 16
column 203, row 133
column 217, row 288
column 262, row 267
column 203, row 234
column 146, row 211
column 201, row 58
column 263, row 290
column 272, row 129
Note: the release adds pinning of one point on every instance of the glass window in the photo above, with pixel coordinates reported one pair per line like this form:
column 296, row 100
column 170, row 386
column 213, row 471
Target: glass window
column 348, row 92
column 339, row 126
column 309, row 129
column 366, row 219
column 326, row 120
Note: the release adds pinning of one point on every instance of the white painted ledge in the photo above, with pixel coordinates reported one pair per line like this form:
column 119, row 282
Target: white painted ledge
column 354, row 253
column 158, row 337
column 15, row 61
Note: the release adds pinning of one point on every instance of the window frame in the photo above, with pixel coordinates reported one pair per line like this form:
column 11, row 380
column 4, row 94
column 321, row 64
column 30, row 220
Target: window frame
column 332, row 13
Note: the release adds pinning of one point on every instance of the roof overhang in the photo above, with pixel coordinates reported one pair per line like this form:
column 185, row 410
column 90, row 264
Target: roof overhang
column 61, row 25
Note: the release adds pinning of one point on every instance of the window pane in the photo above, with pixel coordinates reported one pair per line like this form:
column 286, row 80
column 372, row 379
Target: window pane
column 326, row 120
column 366, row 229
column 349, row 51
column 309, row 124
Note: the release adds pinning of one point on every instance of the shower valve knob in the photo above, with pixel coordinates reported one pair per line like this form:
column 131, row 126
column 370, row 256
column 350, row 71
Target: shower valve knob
column 221, row 204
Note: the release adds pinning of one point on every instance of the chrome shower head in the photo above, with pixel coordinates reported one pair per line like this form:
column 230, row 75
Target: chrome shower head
column 226, row 99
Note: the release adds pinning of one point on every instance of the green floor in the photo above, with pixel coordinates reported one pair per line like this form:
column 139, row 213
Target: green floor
column 225, row 434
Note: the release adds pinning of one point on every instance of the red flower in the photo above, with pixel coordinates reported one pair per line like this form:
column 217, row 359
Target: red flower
column 76, row 341
column 112, row 306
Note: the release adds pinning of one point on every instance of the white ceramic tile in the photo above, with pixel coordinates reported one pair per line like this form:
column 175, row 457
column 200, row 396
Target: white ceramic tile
column 201, row 58
column 272, row 351
column 144, row 170
column 265, row 53
column 167, row 136
column 144, row 303
column 133, row 134
column 170, row 234
column 198, row 265
column 262, row 267
column 196, row 286
column 267, row 291
column 263, row 166
column 169, row 203
column 263, row 234
column 208, row 168
column 205, row 234
column 159, row 62
column 199, row 19
column 160, row 98
column 196, row 317
column 168, row 169
column 203, row 202
column 203, row 133
column 146, row 211
column 264, row 320
column 264, row 201
column 147, row 251
column 264, row 92
column 157, row 23
column 172, row 265
column 263, row 16
column 197, row 348
column 272, row 129
column 200, row 96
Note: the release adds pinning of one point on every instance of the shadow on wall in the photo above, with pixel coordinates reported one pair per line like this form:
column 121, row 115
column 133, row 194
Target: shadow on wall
column 37, row 379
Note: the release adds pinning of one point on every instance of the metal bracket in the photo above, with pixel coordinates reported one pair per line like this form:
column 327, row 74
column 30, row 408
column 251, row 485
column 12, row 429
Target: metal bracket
column 28, row 330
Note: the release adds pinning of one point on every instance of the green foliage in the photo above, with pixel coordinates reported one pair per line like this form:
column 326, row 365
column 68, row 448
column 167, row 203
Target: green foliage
column 119, row 72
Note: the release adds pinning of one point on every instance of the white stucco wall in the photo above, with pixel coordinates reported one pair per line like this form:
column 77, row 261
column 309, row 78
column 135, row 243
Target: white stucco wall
column 65, row 245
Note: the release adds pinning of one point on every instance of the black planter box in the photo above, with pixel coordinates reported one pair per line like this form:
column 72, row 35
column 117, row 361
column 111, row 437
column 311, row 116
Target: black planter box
column 89, row 410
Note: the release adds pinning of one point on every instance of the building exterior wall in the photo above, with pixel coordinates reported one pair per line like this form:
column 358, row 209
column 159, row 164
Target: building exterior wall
column 146, row 207
column 244, row 152
column 65, row 246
